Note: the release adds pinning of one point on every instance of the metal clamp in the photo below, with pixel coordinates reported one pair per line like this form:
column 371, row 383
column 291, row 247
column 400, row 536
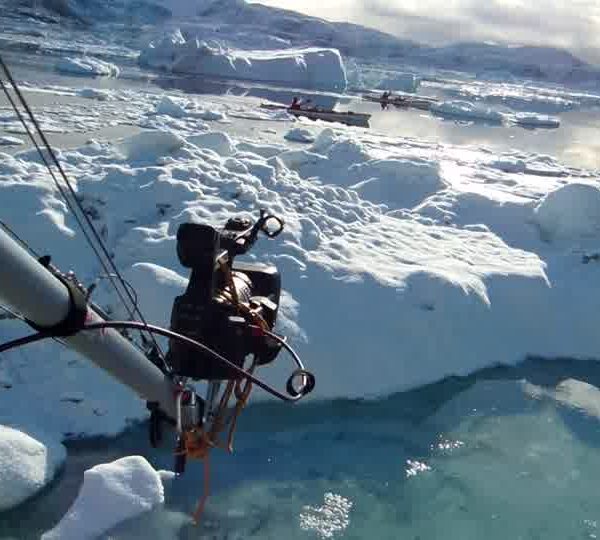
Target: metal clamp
column 76, row 317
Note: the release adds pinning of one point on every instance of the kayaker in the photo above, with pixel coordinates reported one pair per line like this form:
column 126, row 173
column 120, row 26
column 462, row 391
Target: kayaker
column 306, row 103
column 385, row 99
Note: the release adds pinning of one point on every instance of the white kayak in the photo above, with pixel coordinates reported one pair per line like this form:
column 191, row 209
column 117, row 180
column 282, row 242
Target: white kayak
column 349, row 118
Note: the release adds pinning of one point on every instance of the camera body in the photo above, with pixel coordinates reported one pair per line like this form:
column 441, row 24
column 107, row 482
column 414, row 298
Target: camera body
column 213, row 314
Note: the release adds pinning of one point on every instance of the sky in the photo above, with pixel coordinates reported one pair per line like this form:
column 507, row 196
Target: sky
column 572, row 24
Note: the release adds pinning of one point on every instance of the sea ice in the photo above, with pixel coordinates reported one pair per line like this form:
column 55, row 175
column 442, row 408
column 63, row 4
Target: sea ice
column 467, row 110
column 300, row 135
column 87, row 65
column 570, row 212
column 27, row 464
column 533, row 120
column 7, row 140
column 110, row 494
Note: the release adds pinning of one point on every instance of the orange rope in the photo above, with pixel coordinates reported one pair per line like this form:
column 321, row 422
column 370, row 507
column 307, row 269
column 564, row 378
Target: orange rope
column 202, row 502
column 198, row 443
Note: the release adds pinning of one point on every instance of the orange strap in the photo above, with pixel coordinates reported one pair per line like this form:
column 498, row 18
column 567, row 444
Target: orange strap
column 202, row 502
column 198, row 443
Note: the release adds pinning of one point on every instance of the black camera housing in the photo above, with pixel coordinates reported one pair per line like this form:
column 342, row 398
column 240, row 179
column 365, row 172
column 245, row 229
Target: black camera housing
column 206, row 311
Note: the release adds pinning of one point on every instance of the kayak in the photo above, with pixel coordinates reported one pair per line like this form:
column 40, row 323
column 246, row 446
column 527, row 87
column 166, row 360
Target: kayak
column 349, row 118
column 423, row 103
column 395, row 100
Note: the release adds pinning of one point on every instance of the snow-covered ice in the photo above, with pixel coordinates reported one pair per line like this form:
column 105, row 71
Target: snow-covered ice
column 212, row 115
column 391, row 244
column 148, row 144
column 110, row 494
column 570, row 212
column 156, row 287
column 87, row 65
column 94, row 93
column 27, row 464
column 533, row 120
column 216, row 141
column 509, row 165
column 7, row 140
column 521, row 97
column 467, row 110
column 396, row 183
column 300, row 135
column 171, row 107
column 436, row 251
column 311, row 67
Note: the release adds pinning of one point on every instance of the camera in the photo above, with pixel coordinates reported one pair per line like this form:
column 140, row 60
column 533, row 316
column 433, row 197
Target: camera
column 225, row 300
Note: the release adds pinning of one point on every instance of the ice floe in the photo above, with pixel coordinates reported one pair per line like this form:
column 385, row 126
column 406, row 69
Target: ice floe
column 27, row 464
column 467, row 110
column 110, row 494
column 87, row 65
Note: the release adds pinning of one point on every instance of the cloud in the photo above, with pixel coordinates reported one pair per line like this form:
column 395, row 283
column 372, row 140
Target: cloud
column 574, row 24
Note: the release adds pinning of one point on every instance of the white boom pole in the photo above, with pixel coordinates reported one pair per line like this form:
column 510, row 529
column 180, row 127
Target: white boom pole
column 43, row 299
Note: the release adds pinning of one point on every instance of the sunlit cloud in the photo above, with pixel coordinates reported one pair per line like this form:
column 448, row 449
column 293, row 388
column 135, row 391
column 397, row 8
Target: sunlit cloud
column 573, row 24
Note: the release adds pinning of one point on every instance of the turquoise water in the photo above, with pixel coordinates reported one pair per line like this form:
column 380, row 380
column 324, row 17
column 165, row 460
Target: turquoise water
column 497, row 455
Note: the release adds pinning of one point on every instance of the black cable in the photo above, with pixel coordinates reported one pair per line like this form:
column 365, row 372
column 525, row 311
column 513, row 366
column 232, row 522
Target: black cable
column 60, row 188
column 240, row 371
column 47, row 164
column 283, row 343
column 69, row 205
column 307, row 387
column 16, row 237
column 60, row 170
column 131, row 288
column 31, row 338
column 73, row 194
column 12, row 314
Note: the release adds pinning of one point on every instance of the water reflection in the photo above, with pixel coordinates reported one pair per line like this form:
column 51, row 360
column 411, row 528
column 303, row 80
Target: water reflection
column 223, row 87
column 574, row 143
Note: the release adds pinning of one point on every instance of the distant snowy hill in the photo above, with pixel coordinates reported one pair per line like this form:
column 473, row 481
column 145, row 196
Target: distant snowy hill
column 235, row 17
column 89, row 11
column 526, row 61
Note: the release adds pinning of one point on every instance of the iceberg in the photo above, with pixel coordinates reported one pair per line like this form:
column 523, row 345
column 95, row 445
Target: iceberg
column 312, row 67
